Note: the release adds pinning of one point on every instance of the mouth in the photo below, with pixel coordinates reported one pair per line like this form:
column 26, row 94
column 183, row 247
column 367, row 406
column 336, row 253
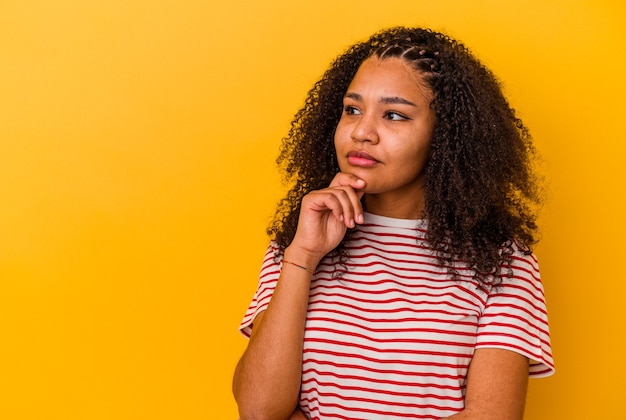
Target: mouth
column 362, row 159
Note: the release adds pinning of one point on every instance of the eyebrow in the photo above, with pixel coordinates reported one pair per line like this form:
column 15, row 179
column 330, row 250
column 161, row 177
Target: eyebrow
column 384, row 100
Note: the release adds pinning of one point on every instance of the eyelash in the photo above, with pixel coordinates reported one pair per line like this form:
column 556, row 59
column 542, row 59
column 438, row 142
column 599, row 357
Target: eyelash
column 351, row 110
column 388, row 115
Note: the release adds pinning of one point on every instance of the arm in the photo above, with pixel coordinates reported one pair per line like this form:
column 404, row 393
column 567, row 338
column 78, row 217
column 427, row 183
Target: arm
column 496, row 386
column 267, row 377
column 266, row 384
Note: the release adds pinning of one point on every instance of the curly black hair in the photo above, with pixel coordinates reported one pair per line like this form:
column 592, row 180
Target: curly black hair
column 481, row 191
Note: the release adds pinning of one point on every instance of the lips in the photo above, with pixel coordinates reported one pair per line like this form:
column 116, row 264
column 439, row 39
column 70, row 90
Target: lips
column 362, row 159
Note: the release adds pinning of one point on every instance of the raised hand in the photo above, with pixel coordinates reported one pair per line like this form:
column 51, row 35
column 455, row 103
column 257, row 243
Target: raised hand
column 326, row 214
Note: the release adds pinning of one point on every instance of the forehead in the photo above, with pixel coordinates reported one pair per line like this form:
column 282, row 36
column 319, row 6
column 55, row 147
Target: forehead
column 393, row 74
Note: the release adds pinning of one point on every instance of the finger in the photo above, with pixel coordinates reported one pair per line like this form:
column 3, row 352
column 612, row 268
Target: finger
column 355, row 198
column 347, row 179
column 322, row 201
column 351, row 205
column 356, row 183
column 340, row 201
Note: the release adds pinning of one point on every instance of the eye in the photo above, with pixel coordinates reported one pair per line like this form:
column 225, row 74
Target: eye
column 351, row 110
column 395, row 116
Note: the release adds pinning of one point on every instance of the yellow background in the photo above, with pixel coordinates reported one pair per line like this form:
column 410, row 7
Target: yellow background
column 137, row 147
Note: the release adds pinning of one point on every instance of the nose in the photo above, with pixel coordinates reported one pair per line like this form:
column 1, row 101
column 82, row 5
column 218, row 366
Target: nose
column 365, row 130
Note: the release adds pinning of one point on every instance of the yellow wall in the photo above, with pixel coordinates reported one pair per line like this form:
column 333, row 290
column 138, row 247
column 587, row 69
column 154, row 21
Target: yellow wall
column 137, row 146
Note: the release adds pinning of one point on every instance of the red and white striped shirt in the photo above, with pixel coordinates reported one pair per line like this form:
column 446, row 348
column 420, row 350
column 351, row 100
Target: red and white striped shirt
column 393, row 336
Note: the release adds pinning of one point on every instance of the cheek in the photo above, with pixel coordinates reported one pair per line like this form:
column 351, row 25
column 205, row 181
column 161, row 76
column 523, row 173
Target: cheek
column 338, row 154
column 340, row 138
column 339, row 132
column 414, row 161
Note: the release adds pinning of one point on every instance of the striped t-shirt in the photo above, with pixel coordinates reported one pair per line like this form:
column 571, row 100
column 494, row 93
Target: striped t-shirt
column 393, row 335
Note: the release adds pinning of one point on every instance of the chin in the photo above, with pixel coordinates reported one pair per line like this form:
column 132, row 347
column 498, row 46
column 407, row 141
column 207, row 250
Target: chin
column 371, row 190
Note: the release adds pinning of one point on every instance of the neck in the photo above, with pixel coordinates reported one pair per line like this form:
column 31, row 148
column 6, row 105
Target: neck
column 397, row 208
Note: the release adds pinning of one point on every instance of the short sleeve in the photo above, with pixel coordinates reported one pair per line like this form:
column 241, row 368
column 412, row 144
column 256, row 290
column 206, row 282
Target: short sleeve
column 515, row 317
column 270, row 271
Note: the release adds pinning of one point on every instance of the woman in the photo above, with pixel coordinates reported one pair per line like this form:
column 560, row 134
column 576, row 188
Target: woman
column 400, row 273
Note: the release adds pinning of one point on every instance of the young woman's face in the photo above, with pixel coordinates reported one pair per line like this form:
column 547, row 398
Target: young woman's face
column 384, row 133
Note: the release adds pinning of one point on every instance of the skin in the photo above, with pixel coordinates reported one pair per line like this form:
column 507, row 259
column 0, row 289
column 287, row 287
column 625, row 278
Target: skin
column 382, row 143
column 393, row 123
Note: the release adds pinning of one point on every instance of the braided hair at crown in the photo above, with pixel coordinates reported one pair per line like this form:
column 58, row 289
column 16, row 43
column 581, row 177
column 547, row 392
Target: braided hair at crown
column 480, row 190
